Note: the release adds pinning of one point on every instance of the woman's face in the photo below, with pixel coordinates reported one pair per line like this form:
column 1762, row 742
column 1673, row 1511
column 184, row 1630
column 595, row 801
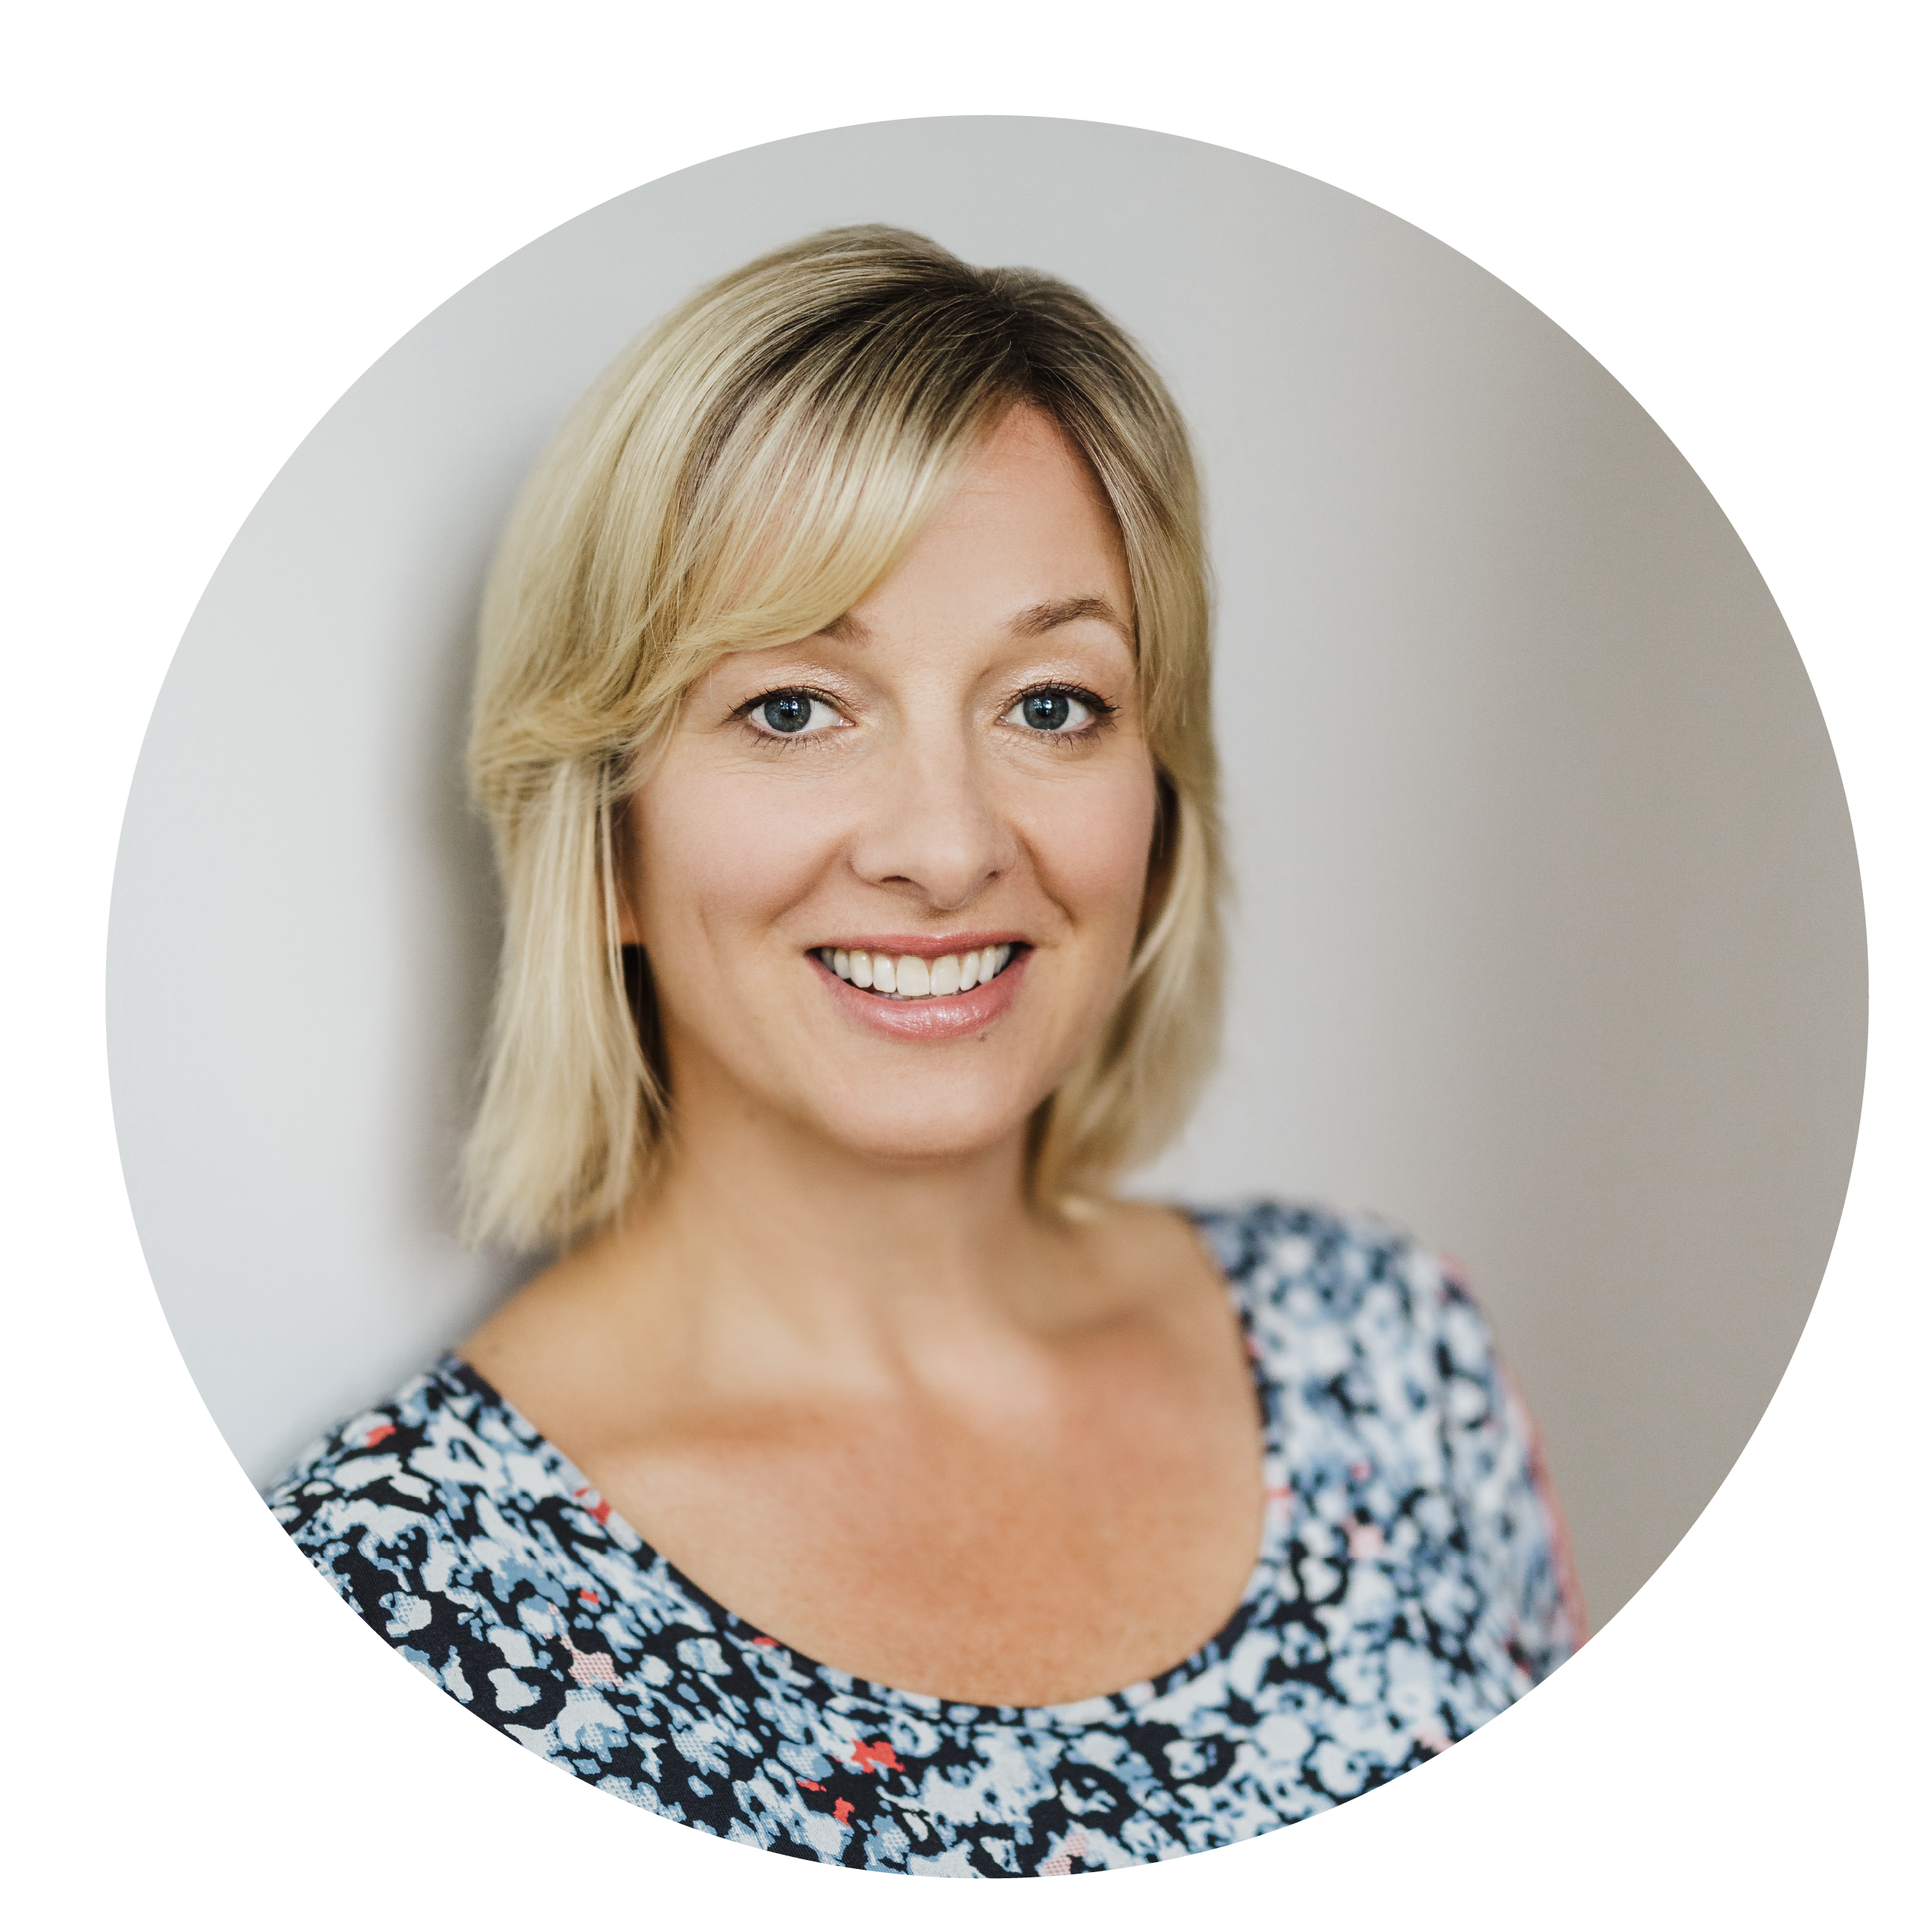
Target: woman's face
column 950, row 782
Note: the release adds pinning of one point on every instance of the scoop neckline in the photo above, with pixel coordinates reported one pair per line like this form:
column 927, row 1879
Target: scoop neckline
column 646, row 1558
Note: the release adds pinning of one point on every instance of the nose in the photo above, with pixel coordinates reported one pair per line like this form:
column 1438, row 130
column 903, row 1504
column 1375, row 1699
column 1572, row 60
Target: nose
column 932, row 824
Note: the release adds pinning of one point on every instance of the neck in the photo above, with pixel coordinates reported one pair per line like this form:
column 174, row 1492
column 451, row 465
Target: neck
column 760, row 1235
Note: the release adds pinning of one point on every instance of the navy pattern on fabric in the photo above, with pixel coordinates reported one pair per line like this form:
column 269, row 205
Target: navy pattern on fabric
column 1412, row 1582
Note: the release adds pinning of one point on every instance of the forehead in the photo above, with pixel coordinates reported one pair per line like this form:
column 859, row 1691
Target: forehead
column 1029, row 472
column 1027, row 622
column 1028, row 538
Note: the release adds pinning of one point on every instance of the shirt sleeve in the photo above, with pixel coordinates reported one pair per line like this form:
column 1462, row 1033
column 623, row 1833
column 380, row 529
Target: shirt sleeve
column 1509, row 1507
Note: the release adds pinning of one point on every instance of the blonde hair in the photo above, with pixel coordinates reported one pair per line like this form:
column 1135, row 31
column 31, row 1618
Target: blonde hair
column 740, row 477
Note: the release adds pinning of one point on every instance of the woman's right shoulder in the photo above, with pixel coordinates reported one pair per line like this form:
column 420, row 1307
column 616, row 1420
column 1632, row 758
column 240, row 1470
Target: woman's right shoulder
column 446, row 1522
column 399, row 1455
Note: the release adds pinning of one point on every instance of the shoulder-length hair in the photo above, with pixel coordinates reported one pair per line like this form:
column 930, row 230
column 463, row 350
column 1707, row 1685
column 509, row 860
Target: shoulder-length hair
column 740, row 477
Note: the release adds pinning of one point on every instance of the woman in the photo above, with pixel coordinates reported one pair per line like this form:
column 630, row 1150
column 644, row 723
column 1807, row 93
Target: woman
column 864, row 1481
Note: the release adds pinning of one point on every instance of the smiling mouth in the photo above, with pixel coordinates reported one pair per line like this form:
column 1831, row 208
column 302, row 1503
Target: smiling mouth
column 907, row 976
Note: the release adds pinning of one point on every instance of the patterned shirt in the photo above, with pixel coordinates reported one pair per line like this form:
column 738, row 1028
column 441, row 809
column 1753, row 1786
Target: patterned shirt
column 1412, row 1581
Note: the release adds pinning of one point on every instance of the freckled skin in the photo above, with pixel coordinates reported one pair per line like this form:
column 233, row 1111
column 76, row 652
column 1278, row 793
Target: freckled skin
column 835, row 1368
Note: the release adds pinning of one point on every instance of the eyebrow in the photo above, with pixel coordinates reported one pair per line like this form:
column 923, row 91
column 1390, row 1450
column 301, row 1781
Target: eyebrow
column 1035, row 621
column 1041, row 618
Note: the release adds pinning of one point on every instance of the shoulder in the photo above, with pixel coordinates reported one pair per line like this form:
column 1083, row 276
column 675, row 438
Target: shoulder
column 430, row 1464
column 1388, row 1395
column 1322, row 1265
column 1336, row 1305
column 448, row 1524
column 374, row 1443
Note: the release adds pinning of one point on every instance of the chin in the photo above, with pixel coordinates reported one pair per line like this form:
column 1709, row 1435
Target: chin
column 949, row 1130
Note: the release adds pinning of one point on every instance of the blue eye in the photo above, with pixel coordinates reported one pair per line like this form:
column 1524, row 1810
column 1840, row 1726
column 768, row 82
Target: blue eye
column 788, row 713
column 1051, row 711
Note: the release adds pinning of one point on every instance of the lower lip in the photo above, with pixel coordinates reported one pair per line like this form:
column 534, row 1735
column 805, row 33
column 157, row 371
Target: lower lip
column 952, row 1016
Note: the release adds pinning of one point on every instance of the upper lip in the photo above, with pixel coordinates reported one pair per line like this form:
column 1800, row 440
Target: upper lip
column 925, row 945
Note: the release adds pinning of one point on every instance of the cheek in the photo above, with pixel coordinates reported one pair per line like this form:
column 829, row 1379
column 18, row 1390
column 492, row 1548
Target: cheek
column 710, row 854
column 1091, row 844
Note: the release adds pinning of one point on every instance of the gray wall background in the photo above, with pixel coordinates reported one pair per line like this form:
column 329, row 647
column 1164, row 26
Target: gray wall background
column 1549, row 945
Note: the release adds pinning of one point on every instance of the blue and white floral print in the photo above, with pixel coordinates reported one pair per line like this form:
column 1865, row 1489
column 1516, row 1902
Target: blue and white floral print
column 1412, row 1582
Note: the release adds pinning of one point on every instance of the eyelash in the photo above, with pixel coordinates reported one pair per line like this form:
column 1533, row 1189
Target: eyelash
column 1103, row 714
column 785, row 741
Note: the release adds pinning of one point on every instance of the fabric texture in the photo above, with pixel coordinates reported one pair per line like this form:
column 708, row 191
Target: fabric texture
column 1413, row 1581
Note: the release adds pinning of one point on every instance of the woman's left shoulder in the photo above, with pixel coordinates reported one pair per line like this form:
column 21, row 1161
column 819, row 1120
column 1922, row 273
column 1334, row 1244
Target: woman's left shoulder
column 1377, row 1357
column 1314, row 1265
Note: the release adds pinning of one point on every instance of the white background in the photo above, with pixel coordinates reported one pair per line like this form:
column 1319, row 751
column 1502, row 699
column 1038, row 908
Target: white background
column 223, row 215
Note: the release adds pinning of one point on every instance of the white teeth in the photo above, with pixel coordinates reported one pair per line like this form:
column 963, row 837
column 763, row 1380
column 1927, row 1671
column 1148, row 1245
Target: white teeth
column 910, row 977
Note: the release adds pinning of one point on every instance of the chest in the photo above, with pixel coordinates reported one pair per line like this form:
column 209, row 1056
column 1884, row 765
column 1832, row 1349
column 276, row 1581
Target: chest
column 1061, row 1557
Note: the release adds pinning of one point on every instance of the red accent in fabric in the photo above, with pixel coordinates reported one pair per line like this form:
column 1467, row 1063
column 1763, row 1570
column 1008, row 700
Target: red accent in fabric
column 880, row 1756
column 842, row 1809
column 380, row 1433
